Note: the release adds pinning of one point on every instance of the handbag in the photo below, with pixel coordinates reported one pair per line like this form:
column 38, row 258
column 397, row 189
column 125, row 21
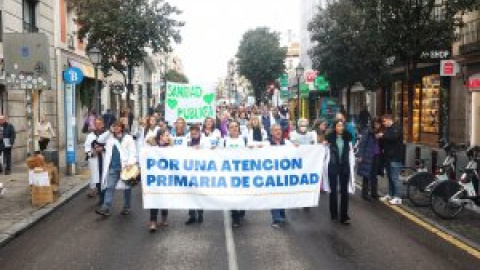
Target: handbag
column 131, row 176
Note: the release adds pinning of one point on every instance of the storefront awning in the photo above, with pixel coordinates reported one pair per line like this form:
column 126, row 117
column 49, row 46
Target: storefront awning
column 88, row 69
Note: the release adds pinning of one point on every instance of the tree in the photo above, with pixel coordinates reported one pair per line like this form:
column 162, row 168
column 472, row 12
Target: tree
column 175, row 76
column 261, row 59
column 347, row 48
column 414, row 27
column 122, row 29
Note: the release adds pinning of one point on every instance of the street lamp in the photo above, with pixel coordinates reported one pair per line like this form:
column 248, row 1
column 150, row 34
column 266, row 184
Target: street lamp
column 95, row 56
column 299, row 72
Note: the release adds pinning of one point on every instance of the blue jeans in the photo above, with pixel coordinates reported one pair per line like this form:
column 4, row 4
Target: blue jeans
column 278, row 215
column 394, row 184
column 112, row 179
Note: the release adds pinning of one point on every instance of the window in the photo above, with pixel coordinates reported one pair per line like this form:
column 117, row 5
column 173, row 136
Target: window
column 29, row 16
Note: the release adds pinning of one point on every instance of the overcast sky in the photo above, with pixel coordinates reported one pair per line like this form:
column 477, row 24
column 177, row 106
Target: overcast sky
column 214, row 29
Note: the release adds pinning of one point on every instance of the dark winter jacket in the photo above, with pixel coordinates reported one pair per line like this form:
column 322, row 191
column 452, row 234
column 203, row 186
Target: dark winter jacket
column 366, row 152
column 8, row 132
column 393, row 144
column 339, row 162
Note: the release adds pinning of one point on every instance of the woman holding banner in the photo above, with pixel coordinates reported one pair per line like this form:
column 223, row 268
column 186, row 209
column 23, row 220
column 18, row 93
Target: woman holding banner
column 235, row 140
column 257, row 136
column 340, row 170
column 180, row 137
column 151, row 129
column 162, row 140
column 210, row 133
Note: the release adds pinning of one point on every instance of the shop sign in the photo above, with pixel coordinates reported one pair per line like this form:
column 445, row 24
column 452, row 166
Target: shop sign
column 448, row 68
column 473, row 84
column 310, row 76
column 436, row 54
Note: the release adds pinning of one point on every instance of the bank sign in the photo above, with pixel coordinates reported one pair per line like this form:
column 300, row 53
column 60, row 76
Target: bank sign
column 190, row 102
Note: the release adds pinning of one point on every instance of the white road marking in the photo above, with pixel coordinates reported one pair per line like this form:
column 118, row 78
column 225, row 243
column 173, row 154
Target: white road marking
column 230, row 242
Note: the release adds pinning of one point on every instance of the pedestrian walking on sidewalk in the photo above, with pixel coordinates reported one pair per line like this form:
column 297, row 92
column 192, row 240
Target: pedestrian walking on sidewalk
column 196, row 141
column 162, row 140
column 369, row 153
column 7, row 140
column 120, row 153
column 394, row 153
column 340, row 170
column 44, row 133
column 95, row 153
column 278, row 215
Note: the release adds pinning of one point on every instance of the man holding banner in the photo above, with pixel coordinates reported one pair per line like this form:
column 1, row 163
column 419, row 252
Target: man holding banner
column 235, row 141
column 278, row 215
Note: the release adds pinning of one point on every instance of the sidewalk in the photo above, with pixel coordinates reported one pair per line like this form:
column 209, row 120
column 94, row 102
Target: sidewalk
column 466, row 227
column 16, row 211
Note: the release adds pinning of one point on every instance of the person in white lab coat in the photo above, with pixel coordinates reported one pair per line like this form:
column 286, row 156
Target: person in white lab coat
column 120, row 153
column 95, row 153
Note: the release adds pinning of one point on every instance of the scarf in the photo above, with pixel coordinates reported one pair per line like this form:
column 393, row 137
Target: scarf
column 257, row 134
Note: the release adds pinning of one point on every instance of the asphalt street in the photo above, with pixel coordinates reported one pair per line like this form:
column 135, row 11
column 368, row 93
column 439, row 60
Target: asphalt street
column 75, row 238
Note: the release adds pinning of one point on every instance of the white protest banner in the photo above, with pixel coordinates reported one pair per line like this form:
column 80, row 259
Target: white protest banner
column 191, row 102
column 226, row 179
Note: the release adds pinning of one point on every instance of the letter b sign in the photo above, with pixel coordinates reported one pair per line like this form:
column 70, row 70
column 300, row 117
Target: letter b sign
column 73, row 75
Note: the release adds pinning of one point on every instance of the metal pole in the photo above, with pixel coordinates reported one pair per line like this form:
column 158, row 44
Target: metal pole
column 298, row 99
column 95, row 93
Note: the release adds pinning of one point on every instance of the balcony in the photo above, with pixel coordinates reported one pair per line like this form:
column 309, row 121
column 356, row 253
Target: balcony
column 470, row 38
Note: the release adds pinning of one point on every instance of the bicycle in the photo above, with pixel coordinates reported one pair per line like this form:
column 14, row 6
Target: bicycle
column 421, row 183
column 449, row 198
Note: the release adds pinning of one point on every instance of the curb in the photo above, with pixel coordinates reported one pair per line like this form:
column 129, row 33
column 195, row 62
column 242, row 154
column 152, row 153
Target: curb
column 28, row 222
column 434, row 224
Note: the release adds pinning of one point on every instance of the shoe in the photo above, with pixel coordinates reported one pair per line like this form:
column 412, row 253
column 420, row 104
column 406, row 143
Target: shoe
column 345, row 222
column 276, row 225
column 190, row 221
column 386, row 198
column 125, row 211
column 366, row 198
column 375, row 197
column 200, row 219
column 7, row 173
column 395, row 201
column 153, row 226
column 103, row 212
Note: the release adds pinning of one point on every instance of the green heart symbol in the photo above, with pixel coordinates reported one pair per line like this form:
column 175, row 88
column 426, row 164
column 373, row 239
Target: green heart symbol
column 172, row 103
column 209, row 98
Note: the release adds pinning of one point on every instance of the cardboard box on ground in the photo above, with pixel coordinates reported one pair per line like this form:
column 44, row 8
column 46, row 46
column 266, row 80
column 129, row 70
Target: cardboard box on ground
column 43, row 179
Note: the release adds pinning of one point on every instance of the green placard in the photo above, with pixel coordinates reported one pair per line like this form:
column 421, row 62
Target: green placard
column 321, row 84
column 304, row 90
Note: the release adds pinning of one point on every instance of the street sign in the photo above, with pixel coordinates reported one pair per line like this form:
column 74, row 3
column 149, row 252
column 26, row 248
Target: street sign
column 73, row 75
column 304, row 90
column 284, row 93
column 284, row 80
column 321, row 84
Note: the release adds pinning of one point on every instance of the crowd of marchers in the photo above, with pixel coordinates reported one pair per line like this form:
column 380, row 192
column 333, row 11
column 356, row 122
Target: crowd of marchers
column 113, row 145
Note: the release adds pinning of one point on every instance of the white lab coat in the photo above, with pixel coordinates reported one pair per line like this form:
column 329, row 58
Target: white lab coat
column 351, row 184
column 251, row 142
column 92, row 160
column 127, row 149
column 213, row 139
